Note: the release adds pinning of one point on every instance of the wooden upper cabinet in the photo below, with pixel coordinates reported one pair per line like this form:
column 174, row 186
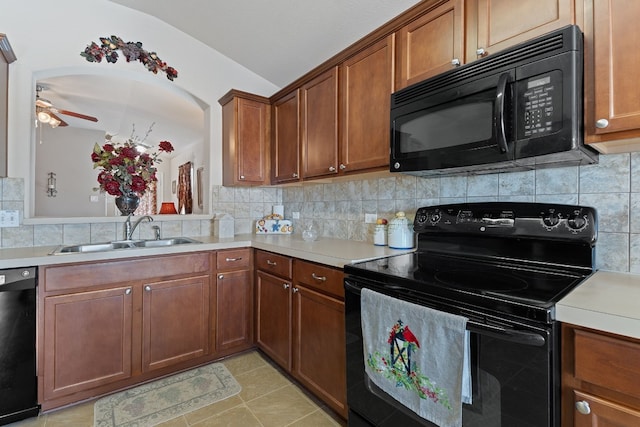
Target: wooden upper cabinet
column 366, row 84
column 245, row 139
column 285, row 149
column 494, row 25
column 319, row 122
column 611, row 34
column 431, row 44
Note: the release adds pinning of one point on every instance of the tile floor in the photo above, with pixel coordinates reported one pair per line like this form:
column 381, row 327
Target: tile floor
column 268, row 399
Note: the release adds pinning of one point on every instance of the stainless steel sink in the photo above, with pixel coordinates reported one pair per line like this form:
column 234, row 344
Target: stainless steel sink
column 121, row 244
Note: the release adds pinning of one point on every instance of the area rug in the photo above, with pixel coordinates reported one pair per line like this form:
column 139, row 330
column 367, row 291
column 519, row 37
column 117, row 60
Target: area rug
column 153, row 403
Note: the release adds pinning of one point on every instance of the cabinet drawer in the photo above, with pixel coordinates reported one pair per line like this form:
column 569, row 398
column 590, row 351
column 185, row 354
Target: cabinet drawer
column 234, row 259
column 322, row 278
column 275, row 264
column 608, row 361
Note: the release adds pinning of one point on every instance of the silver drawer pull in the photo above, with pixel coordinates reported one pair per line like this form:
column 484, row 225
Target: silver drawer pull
column 319, row 278
column 269, row 262
column 232, row 259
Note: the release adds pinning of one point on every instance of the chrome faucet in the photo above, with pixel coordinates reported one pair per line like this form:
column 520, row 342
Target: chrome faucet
column 129, row 229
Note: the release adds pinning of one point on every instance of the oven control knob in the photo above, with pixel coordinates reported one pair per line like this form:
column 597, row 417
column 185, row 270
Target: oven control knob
column 551, row 220
column 435, row 217
column 577, row 222
column 421, row 217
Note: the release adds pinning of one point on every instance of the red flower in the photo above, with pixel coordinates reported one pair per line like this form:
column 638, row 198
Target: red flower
column 138, row 185
column 166, row 146
column 130, row 152
column 113, row 188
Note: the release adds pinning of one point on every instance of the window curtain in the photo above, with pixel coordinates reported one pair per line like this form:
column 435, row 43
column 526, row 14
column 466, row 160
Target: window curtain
column 185, row 198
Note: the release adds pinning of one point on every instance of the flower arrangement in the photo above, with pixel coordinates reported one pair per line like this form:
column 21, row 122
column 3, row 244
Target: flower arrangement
column 131, row 51
column 124, row 169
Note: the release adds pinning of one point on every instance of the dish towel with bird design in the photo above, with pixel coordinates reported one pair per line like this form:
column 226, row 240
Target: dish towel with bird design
column 417, row 355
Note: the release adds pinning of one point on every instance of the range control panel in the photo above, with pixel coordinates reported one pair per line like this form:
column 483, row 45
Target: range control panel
column 534, row 220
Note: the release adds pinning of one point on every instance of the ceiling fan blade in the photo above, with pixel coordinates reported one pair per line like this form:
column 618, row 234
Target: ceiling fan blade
column 78, row 115
column 43, row 103
column 62, row 122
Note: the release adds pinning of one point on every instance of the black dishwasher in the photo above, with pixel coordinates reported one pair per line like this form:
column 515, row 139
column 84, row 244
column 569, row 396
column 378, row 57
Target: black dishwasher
column 18, row 381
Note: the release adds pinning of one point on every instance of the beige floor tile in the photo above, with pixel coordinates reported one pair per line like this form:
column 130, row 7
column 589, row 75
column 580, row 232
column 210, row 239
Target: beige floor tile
column 76, row 416
column 244, row 363
column 38, row 421
column 281, row 407
column 176, row 422
column 212, row 410
column 239, row 416
column 319, row 418
column 260, row 381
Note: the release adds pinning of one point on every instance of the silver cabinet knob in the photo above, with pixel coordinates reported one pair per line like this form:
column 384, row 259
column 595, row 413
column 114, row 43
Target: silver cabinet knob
column 241, row 176
column 455, row 62
column 583, row 407
column 147, row 288
column 332, row 169
column 342, row 166
column 602, row 123
column 285, row 285
column 295, row 290
column 481, row 52
column 127, row 291
column 220, row 276
column 295, row 175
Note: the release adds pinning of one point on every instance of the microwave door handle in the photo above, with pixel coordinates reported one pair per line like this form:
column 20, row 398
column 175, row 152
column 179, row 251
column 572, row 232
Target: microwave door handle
column 499, row 114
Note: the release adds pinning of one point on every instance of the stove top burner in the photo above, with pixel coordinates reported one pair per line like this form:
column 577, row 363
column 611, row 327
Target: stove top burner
column 496, row 282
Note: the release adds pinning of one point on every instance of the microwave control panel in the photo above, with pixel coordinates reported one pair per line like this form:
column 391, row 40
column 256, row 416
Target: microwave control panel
column 540, row 105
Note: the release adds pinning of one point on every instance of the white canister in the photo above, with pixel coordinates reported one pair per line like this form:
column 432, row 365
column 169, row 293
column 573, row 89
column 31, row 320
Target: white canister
column 400, row 232
column 380, row 235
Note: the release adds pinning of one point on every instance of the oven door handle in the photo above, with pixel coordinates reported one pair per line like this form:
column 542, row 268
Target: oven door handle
column 520, row 337
column 499, row 112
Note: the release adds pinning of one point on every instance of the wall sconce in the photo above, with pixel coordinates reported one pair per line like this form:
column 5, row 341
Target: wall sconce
column 51, row 185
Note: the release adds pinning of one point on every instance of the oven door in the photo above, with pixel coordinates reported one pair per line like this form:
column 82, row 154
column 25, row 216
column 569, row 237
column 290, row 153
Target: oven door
column 515, row 372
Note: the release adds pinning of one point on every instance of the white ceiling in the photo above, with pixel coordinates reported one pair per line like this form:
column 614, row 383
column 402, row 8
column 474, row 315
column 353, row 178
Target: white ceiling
column 279, row 40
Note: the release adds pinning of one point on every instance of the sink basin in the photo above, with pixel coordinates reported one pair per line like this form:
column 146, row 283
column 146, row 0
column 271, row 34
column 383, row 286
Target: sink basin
column 164, row 242
column 121, row 244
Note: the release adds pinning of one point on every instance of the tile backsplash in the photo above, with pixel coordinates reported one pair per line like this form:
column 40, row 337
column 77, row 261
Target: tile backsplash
column 337, row 209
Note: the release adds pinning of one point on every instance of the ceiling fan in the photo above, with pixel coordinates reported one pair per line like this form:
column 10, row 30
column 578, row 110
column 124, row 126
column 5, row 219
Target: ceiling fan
column 47, row 113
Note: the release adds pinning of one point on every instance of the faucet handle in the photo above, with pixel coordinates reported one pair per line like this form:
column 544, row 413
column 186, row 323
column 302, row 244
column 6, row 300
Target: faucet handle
column 156, row 231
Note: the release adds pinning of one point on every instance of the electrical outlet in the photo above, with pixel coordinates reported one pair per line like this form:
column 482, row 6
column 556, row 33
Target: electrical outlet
column 95, row 199
column 9, row 218
column 296, row 215
column 370, row 218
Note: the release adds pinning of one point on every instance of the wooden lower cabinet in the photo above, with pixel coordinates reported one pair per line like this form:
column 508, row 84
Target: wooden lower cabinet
column 87, row 341
column 233, row 324
column 175, row 321
column 109, row 325
column 300, row 323
column 600, row 377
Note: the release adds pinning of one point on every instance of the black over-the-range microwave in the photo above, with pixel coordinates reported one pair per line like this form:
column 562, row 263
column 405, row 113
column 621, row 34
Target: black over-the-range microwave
column 517, row 109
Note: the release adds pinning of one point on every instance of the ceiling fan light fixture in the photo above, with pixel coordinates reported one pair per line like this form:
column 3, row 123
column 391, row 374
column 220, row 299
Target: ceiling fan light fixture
column 44, row 117
column 54, row 122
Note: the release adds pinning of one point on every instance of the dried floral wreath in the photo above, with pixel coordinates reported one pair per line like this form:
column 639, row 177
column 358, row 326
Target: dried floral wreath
column 131, row 51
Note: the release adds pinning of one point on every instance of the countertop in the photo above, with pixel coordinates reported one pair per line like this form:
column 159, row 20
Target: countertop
column 607, row 301
column 333, row 252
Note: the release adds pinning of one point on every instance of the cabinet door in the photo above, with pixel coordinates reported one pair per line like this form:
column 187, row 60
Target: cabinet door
column 245, row 149
column 430, row 45
column 319, row 350
column 366, row 84
column 273, row 322
column 611, row 93
column 234, row 311
column 494, row 25
column 175, row 321
column 320, row 125
column 285, row 150
column 87, row 340
column 596, row 412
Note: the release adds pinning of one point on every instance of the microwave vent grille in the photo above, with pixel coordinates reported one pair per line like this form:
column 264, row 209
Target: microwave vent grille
column 538, row 48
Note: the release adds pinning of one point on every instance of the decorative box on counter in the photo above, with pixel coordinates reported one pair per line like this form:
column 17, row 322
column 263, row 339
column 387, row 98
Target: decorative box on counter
column 274, row 224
